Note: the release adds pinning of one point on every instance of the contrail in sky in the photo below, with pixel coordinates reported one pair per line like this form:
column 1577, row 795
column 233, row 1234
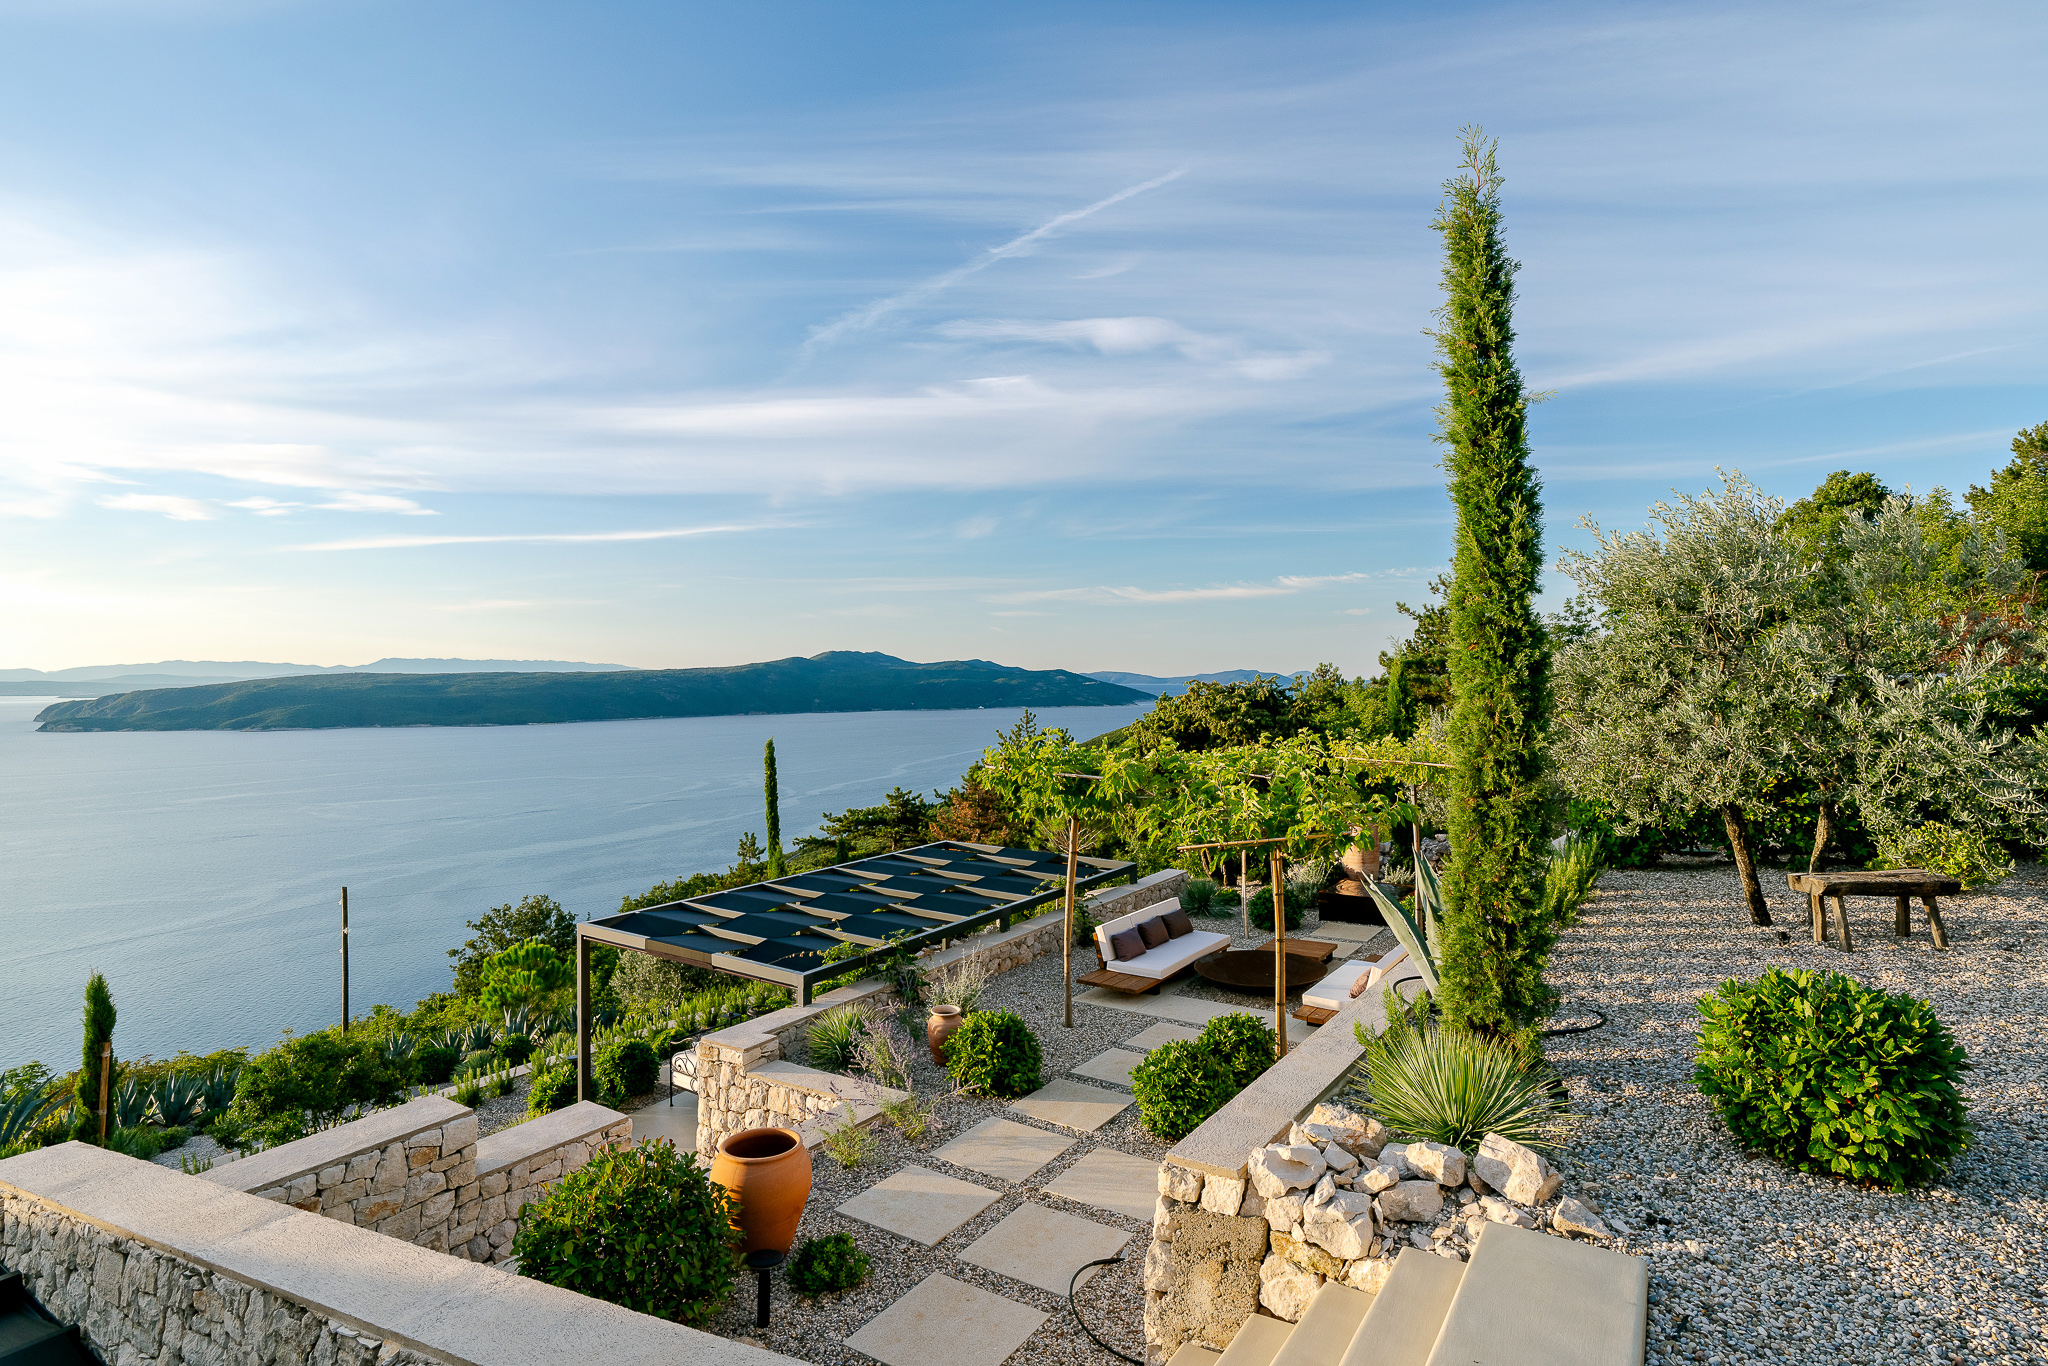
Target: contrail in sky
column 864, row 318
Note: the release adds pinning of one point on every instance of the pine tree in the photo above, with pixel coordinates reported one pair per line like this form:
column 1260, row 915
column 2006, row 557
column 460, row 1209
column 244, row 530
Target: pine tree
column 774, row 810
column 1495, row 936
column 99, row 1030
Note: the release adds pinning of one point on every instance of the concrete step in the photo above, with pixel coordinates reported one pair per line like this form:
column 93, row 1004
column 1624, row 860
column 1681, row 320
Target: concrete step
column 1257, row 1342
column 1406, row 1316
column 1191, row 1355
column 1532, row 1299
column 1326, row 1327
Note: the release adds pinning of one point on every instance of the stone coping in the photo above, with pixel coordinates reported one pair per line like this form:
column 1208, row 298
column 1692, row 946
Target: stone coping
column 374, row 1131
column 1286, row 1091
column 585, row 1120
column 460, row 1312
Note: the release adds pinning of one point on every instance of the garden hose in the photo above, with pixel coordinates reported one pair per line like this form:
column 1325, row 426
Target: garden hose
column 1579, row 1029
column 1100, row 1261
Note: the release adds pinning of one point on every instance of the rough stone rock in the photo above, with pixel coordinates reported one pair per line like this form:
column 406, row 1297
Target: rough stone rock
column 1379, row 1178
column 1159, row 1267
column 1216, row 1261
column 1362, row 1134
column 1348, row 1203
column 1325, row 1190
column 1475, row 1182
column 1501, row 1212
column 1573, row 1217
column 1274, row 1171
column 1286, row 1289
column 1466, row 1196
column 1410, row 1202
column 1519, row 1173
column 1307, row 1255
column 1162, row 1219
column 1223, row 1195
column 1396, row 1155
column 1346, row 1239
column 1254, row 1206
column 1369, row 1274
column 1339, row 1157
column 1440, row 1162
column 1180, row 1183
column 1284, row 1212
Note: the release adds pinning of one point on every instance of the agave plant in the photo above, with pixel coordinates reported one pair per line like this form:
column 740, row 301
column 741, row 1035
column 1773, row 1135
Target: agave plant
column 400, row 1045
column 218, row 1089
column 178, row 1098
column 1423, row 940
column 473, row 1038
column 128, row 1106
column 19, row 1116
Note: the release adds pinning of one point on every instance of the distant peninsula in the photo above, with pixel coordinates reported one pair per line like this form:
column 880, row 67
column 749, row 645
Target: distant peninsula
column 838, row 680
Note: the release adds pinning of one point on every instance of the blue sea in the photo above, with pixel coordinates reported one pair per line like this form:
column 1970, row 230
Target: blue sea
column 201, row 870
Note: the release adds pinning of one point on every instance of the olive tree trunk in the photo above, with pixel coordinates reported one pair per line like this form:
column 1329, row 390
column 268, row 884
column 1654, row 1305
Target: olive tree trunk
column 1745, row 866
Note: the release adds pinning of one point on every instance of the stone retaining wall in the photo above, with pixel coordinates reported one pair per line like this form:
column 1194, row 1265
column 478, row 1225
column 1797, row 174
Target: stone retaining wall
column 514, row 1166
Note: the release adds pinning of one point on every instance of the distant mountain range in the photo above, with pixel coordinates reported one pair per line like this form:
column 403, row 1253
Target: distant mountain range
column 1178, row 683
column 105, row 680
column 837, row 681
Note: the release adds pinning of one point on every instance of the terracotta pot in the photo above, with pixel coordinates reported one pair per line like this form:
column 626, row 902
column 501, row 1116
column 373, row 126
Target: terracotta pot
column 945, row 1021
column 769, row 1173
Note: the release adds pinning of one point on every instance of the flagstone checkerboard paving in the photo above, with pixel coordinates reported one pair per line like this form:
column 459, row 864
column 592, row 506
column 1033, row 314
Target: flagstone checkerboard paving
column 919, row 1204
column 1111, row 1180
column 1158, row 1034
column 1045, row 1248
column 1004, row 1148
column 1112, row 1065
column 944, row 1322
column 1072, row 1105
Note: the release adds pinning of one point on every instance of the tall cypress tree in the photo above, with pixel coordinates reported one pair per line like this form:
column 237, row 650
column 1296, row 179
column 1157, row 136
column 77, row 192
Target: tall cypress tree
column 99, row 1029
column 1495, row 940
column 774, row 810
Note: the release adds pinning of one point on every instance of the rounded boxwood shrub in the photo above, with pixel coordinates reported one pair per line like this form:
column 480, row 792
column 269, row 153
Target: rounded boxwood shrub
column 1827, row 1075
column 625, row 1067
column 822, row 1265
column 1260, row 911
column 995, row 1054
column 1244, row 1043
column 553, row 1088
column 641, row 1226
column 514, row 1048
column 435, row 1065
column 1179, row 1085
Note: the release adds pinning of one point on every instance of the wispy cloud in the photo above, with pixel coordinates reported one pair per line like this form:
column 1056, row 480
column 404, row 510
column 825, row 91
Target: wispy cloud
column 1105, row 595
column 168, row 505
column 526, row 538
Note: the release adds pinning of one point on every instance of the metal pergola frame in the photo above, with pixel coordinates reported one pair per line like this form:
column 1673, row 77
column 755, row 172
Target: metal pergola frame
column 775, row 931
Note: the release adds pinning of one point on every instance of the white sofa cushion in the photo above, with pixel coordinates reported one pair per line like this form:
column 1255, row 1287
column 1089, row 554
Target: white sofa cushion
column 1171, row 956
column 1335, row 989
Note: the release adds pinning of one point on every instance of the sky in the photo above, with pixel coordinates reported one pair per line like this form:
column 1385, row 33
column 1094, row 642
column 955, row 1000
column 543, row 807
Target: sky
column 1066, row 335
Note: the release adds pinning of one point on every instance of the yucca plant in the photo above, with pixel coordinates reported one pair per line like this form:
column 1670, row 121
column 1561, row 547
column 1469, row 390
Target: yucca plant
column 20, row 1116
column 178, row 1098
column 1199, row 896
column 835, row 1035
column 1448, row 1085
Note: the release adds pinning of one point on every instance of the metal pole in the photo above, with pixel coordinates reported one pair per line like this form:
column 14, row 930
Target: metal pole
column 1279, row 952
column 344, row 960
column 585, row 1087
column 1067, row 953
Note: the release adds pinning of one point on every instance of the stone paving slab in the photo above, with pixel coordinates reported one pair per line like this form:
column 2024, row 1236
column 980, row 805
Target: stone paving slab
column 1004, row 1148
column 677, row 1123
column 919, row 1204
column 944, row 1322
column 1112, row 1065
column 1344, row 929
column 1183, row 1009
column 1044, row 1247
column 1155, row 1035
column 1111, row 1180
column 1071, row 1105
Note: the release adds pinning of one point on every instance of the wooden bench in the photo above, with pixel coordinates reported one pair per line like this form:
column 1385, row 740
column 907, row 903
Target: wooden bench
column 1129, row 983
column 1901, row 884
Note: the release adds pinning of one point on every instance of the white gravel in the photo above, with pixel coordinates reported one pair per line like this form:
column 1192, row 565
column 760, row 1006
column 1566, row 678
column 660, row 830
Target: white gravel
column 1750, row 1261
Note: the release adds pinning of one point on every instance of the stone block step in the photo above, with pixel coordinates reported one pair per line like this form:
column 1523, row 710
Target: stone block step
column 1192, row 1355
column 1408, row 1313
column 1326, row 1328
column 1532, row 1299
column 1257, row 1342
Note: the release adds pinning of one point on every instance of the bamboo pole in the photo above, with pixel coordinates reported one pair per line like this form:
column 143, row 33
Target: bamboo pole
column 1067, row 948
column 1279, row 951
column 106, row 1066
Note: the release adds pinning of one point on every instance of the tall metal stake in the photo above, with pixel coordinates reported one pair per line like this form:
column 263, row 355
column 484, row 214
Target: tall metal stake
column 1279, row 953
column 106, row 1066
column 344, row 960
column 1067, row 953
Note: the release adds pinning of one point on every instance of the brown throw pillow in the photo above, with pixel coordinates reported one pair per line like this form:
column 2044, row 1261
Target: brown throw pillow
column 1127, row 944
column 1154, row 931
column 1177, row 923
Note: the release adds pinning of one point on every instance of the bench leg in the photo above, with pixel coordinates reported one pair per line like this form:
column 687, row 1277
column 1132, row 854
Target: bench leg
column 1934, row 923
column 1818, row 914
column 1842, row 922
column 1902, row 918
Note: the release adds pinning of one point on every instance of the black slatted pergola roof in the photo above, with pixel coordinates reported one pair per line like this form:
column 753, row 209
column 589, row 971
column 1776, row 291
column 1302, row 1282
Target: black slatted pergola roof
column 778, row 931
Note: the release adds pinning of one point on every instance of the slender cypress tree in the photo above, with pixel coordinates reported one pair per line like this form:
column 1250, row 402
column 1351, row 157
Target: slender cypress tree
column 774, row 810
column 1495, row 938
column 99, row 1029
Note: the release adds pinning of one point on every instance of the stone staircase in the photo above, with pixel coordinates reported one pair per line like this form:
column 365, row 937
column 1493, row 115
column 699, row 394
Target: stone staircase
column 1525, row 1299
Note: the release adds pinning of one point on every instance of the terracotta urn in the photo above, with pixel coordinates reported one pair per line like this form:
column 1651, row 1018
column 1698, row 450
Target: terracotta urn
column 945, row 1021
column 768, row 1172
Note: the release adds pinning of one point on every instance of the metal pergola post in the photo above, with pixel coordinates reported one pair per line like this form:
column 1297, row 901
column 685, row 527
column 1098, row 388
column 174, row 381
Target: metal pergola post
column 586, row 1087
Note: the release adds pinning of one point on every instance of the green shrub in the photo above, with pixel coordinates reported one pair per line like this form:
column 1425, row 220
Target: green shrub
column 433, row 1066
column 1178, row 1085
column 625, row 1067
column 226, row 1130
column 822, row 1265
column 1244, row 1043
column 1449, row 1085
column 470, row 1093
column 1568, row 877
column 553, row 1088
column 1827, row 1075
column 515, row 1049
column 994, row 1054
column 139, row 1141
column 1199, row 897
column 1226, row 898
column 641, row 1226
column 1965, row 855
column 1261, row 909
column 306, row 1083
column 848, row 1142
column 834, row 1036
column 176, row 1136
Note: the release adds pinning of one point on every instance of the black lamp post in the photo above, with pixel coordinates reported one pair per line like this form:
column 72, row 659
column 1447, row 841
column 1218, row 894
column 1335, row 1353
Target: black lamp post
column 761, row 1263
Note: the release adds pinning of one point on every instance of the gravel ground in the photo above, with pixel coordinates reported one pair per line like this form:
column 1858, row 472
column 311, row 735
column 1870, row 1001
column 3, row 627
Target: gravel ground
column 1112, row 1302
column 1750, row 1261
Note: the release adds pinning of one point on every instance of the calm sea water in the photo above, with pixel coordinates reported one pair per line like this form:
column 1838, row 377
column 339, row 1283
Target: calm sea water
column 200, row 870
